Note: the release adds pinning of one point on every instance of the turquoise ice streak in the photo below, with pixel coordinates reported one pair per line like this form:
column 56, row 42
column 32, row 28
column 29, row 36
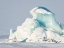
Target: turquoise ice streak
column 44, row 9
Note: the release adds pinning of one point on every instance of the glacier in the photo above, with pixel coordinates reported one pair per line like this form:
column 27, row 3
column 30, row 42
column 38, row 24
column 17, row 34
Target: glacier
column 41, row 28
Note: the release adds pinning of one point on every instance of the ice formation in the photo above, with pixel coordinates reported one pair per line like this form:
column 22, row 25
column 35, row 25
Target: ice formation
column 42, row 28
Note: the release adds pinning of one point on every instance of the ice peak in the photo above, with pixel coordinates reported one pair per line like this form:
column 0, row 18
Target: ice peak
column 42, row 10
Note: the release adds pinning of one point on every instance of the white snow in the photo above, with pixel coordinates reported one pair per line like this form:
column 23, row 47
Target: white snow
column 42, row 11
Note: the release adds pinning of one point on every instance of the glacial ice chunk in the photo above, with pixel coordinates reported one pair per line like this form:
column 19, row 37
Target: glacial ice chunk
column 38, row 35
column 46, row 18
column 26, row 29
column 42, row 28
column 12, row 32
column 29, row 25
column 41, row 35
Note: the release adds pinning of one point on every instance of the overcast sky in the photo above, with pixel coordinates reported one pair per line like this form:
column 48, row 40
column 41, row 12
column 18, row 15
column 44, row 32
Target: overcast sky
column 14, row 12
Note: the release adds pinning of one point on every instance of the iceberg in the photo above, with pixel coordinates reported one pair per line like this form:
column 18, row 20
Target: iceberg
column 41, row 28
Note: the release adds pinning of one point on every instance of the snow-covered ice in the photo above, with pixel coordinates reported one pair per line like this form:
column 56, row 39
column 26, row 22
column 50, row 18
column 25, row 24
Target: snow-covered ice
column 41, row 28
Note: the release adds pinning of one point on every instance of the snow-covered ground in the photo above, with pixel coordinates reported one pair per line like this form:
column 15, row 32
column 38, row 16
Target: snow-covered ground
column 27, row 45
column 30, row 45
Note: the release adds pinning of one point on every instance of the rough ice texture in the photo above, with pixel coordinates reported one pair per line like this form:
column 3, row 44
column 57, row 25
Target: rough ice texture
column 42, row 28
